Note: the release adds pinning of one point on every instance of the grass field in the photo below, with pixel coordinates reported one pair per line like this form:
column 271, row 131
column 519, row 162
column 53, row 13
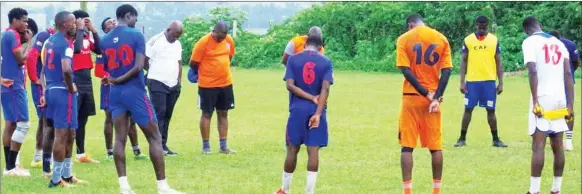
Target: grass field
column 363, row 155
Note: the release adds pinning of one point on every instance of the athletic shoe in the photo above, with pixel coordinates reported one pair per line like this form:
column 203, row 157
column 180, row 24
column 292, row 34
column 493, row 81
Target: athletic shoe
column 109, row 158
column 16, row 172
column 47, row 175
column 206, row 151
column 169, row 152
column 227, row 150
column 74, row 180
column 280, row 191
column 532, row 193
column 34, row 164
column 168, row 191
column 568, row 145
column 141, row 157
column 460, row 143
column 61, row 183
column 499, row 144
column 86, row 159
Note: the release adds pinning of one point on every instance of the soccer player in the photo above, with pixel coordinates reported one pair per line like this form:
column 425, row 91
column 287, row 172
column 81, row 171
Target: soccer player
column 124, row 50
column 87, row 40
column 480, row 68
column 309, row 75
column 34, row 66
column 422, row 54
column 297, row 44
column 550, row 79
column 211, row 58
column 14, row 98
column 100, row 72
column 61, row 97
column 574, row 63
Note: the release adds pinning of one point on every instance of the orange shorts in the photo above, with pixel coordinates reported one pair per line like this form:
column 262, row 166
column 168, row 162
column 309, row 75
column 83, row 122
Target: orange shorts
column 416, row 122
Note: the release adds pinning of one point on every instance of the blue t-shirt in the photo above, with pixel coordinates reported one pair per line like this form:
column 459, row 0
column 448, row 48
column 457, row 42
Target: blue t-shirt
column 309, row 69
column 57, row 48
column 119, row 48
column 10, row 66
column 41, row 37
column 574, row 55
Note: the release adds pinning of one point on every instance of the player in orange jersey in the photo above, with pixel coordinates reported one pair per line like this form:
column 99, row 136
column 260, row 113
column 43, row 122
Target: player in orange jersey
column 422, row 54
column 297, row 44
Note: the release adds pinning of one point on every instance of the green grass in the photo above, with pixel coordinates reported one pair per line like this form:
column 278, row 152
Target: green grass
column 363, row 155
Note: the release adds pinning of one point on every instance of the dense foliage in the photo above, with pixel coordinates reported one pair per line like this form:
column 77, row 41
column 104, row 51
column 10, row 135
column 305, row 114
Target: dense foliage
column 361, row 35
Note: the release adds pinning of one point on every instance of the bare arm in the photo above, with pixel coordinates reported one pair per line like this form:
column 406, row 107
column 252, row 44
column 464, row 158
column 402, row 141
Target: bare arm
column 499, row 64
column 194, row 64
column 533, row 80
column 576, row 64
column 298, row 91
column 180, row 72
column 42, row 78
column 285, row 57
column 569, row 82
column 68, row 74
column 323, row 97
column 463, row 69
column 146, row 63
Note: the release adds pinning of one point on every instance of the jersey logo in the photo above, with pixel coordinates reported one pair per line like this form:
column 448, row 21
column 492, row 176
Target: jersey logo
column 69, row 52
column 116, row 39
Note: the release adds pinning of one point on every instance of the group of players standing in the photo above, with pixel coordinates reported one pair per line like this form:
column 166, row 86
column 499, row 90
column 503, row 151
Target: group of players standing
column 423, row 55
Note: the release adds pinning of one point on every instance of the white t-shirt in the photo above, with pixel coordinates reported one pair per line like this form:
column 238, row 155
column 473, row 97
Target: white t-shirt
column 164, row 57
column 548, row 53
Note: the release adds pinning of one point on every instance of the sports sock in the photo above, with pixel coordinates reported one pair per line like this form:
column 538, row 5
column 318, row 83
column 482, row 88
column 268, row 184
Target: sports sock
column 136, row 150
column 6, row 154
column 11, row 160
column 287, row 178
column 109, row 151
column 569, row 134
column 311, row 179
column 463, row 135
column 436, row 186
column 534, row 186
column 123, row 183
column 37, row 156
column 67, row 168
column 163, row 184
column 407, row 186
column 222, row 143
column 557, row 183
column 56, row 177
column 17, row 161
column 46, row 162
column 495, row 136
column 206, row 144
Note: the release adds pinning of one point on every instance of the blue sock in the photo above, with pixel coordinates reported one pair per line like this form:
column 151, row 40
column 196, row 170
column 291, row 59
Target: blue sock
column 222, row 143
column 57, row 172
column 67, row 168
column 205, row 144
column 46, row 162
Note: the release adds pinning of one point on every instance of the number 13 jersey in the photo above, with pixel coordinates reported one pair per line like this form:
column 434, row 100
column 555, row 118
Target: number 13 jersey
column 548, row 53
column 119, row 49
column 425, row 51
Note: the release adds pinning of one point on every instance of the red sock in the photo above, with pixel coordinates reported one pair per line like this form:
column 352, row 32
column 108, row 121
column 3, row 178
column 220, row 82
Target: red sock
column 436, row 186
column 407, row 187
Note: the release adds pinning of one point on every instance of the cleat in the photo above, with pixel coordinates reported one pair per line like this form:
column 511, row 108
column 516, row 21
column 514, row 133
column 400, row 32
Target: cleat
column 568, row 145
column 280, row 191
column 61, row 184
column 460, row 143
column 168, row 191
column 532, row 193
column 74, row 180
column 37, row 164
column 141, row 157
column 169, row 152
column 47, row 175
column 87, row 160
column 109, row 158
column 206, row 151
column 499, row 144
column 227, row 150
column 16, row 172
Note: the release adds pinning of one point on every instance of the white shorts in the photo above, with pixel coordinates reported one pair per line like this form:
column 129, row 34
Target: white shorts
column 548, row 126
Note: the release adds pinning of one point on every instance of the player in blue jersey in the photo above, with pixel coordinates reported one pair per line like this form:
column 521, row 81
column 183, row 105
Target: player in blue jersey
column 61, row 97
column 123, row 51
column 14, row 98
column 574, row 63
column 309, row 75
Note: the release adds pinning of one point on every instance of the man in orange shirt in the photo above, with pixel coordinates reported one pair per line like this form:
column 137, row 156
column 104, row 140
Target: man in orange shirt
column 422, row 53
column 211, row 57
column 297, row 44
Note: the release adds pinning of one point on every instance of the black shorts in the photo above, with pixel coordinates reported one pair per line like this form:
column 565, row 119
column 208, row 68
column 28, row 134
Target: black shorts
column 210, row 99
column 85, row 101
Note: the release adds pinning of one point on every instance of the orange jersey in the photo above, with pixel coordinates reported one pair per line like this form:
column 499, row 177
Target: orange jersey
column 425, row 51
column 214, row 61
column 299, row 44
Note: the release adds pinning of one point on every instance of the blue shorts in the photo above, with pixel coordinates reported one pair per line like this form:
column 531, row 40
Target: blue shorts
column 37, row 92
column 15, row 105
column 298, row 131
column 62, row 108
column 124, row 99
column 483, row 93
column 105, row 97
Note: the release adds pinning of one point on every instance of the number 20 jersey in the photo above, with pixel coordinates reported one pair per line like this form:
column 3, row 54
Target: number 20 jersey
column 548, row 53
column 119, row 49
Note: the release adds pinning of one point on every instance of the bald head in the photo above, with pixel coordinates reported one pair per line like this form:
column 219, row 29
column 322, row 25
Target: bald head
column 65, row 22
column 220, row 31
column 174, row 31
column 314, row 31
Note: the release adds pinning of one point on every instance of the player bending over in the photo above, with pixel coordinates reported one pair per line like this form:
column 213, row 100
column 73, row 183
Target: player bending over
column 309, row 76
column 422, row 53
column 123, row 49
column 61, row 98
column 550, row 80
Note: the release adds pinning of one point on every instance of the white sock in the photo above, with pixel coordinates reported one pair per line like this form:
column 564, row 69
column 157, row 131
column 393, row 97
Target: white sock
column 534, row 186
column 557, row 183
column 18, row 159
column 287, row 178
column 569, row 135
column 311, row 179
column 162, row 184
column 37, row 156
column 80, row 155
column 123, row 183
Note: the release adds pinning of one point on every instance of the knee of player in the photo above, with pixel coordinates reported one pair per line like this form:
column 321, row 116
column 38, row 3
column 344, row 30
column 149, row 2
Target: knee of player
column 21, row 130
